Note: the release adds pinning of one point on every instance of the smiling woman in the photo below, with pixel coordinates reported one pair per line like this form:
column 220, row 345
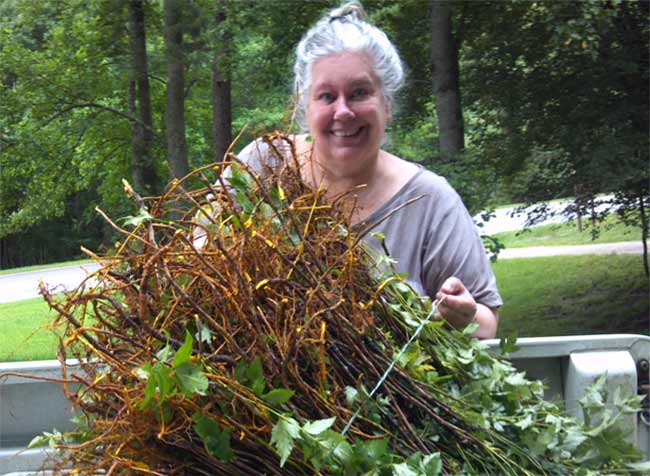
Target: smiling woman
column 347, row 74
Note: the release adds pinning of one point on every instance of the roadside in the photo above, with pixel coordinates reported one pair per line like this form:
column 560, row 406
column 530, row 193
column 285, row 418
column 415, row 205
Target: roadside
column 624, row 247
column 19, row 286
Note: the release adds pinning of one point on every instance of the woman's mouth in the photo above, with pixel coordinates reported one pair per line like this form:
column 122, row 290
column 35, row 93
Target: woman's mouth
column 347, row 132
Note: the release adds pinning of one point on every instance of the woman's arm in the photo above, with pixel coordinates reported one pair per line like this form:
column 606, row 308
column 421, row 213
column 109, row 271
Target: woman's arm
column 460, row 309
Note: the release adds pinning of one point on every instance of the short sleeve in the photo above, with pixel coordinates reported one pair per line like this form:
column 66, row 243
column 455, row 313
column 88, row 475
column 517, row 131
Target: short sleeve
column 454, row 248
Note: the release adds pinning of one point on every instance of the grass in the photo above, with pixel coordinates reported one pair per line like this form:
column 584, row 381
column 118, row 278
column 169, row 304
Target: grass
column 569, row 295
column 611, row 231
column 23, row 331
column 551, row 296
column 38, row 267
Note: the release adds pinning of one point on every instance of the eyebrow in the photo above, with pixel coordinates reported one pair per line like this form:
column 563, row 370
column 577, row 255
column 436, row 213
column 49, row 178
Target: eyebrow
column 353, row 83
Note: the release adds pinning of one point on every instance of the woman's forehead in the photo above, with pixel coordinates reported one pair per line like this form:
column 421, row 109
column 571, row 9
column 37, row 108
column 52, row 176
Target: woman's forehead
column 350, row 68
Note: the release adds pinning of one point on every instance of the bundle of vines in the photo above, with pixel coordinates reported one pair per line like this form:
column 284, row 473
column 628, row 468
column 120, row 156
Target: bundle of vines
column 242, row 327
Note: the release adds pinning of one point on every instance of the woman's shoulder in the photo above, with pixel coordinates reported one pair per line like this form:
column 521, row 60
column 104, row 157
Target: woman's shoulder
column 426, row 181
column 273, row 150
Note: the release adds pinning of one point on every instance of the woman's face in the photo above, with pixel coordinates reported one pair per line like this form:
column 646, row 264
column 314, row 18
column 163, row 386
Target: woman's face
column 346, row 113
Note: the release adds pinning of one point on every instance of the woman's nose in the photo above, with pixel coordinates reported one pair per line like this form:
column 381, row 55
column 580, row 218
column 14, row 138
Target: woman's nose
column 343, row 111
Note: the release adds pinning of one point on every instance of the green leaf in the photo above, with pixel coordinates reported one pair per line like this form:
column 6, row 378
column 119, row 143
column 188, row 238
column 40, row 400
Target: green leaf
column 216, row 441
column 285, row 431
column 159, row 383
column 351, row 395
column 318, row 426
column 184, row 353
column 165, row 353
column 508, row 344
column 471, row 328
column 203, row 334
column 137, row 220
column 643, row 466
column 39, row 441
column 403, row 469
column 377, row 449
column 278, row 396
column 432, row 464
column 192, row 379
column 240, row 179
column 255, row 377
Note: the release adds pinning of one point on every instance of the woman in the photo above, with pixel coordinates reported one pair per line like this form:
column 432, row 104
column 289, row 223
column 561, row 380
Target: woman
column 347, row 73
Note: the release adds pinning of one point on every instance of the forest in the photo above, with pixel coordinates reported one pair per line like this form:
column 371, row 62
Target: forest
column 512, row 101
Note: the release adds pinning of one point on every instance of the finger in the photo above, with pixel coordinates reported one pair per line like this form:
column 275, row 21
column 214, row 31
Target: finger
column 452, row 285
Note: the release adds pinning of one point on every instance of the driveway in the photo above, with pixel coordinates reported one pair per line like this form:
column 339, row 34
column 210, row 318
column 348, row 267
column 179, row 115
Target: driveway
column 18, row 286
column 625, row 247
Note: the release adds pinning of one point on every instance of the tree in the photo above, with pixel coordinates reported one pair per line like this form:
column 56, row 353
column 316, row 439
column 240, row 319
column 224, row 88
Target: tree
column 569, row 79
column 446, row 84
column 221, row 98
column 177, row 151
column 144, row 171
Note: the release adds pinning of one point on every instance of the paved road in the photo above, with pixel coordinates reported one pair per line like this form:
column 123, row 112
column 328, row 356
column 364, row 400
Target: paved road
column 625, row 247
column 505, row 220
column 14, row 287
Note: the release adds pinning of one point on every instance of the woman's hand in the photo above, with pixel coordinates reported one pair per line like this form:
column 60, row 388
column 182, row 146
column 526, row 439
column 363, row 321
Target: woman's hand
column 460, row 309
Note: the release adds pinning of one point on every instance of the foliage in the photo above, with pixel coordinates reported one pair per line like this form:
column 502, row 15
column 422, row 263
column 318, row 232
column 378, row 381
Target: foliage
column 563, row 83
column 199, row 363
column 555, row 100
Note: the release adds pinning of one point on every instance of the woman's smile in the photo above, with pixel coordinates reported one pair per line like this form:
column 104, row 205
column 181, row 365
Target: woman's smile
column 346, row 114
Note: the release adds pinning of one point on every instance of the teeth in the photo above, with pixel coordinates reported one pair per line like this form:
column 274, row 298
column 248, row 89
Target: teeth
column 345, row 133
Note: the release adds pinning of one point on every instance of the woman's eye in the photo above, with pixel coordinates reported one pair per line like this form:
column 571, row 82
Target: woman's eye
column 359, row 93
column 327, row 97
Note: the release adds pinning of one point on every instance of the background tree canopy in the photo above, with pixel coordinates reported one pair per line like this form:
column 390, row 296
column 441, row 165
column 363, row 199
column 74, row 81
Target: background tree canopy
column 511, row 100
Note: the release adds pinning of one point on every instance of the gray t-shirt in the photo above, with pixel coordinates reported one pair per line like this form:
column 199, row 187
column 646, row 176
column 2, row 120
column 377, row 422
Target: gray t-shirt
column 431, row 239
column 434, row 238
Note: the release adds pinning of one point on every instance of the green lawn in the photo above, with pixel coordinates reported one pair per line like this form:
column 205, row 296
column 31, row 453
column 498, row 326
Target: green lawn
column 553, row 296
column 566, row 295
column 24, row 334
column 568, row 234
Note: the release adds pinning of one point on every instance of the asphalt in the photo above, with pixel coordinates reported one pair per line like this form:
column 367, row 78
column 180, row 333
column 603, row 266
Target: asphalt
column 624, row 247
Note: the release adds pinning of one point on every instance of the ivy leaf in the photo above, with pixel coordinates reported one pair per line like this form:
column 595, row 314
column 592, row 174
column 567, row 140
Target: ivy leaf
column 508, row 344
column 471, row 328
column 641, row 467
column 159, row 383
column 278, row 396
column 432, row 464
column 216, row 441
column 255, row 376
column 192, row 379
column 184, row 353
column 351, row 395
column 240, row 180
column 165, row 353
column 203, row 334
column 137, row 220
column 318, row 426
column 403, row 469
column 285, row 431
column 376, row 449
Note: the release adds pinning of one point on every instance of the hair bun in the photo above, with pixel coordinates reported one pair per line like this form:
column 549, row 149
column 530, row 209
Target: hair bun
column 353, row 9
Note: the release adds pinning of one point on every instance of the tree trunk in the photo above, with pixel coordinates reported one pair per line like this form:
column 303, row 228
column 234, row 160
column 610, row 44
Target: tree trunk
column 644, row 234
column 446, row 82
column 175, row 111
column 221, row 104
column 144, row 171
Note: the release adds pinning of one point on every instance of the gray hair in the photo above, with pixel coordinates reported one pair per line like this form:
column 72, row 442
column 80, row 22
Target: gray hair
column 342, row 29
